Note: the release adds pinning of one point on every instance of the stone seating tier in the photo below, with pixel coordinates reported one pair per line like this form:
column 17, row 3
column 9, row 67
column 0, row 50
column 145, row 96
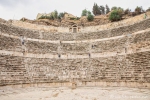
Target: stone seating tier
column 109, row 45
column 123, row 30
column 121, row 68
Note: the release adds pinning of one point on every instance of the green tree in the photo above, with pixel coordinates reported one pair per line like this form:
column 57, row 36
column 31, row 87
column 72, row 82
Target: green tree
column 88, row 14
column 55, row 14
column 114, row 8
column 127, row 11
column 119, row 10
column 102, row 9
column 52, row 17
column 107, row 9
column 114, row 16
column 90, row 17
column 84, row 12
column 96, row 10
column 138, row 10
column 61, row 15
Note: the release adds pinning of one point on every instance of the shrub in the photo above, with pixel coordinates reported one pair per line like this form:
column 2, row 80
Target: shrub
column 127, row 11
column 114, row 16
column 47, row 17
column 84, row 12
column 61, row 15
column 88, row 14
column 90, row 17
column 72, row 18
column 119, row 9
column 138, row 10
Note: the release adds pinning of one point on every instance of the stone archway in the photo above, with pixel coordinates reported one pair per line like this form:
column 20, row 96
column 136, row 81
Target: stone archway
column 74, row 28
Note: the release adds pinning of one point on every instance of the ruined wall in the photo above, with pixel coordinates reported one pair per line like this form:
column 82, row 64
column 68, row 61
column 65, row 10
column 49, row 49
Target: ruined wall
column 106, row 56
column 117, row 31
column 97, row 28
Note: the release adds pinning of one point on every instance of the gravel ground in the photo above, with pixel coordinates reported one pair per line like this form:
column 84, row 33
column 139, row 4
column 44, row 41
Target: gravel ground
column 80, row 93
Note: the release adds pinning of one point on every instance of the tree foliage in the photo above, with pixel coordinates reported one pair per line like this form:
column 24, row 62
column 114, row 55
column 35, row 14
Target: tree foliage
column 55, row 14
column 127, row 11
column 107, row 9
column 138, row 10
column 102, row 9
column 114, row 8
column 114, row 16
column 88, row 14
column 119, row 10
column 61, row 15
column 96, row 9
column 90, row 17
column 84, row 12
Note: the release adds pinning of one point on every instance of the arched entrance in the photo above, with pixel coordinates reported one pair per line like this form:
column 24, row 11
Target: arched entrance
column 74, row 29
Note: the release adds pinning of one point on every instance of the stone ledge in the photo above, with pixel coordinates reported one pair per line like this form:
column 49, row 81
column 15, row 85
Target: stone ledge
column 84, row 84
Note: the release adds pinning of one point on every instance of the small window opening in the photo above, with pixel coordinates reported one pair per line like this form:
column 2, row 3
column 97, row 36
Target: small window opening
column 59, row 55
column 89, row 55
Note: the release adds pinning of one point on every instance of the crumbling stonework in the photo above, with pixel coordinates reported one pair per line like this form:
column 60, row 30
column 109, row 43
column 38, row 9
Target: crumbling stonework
column 123, row 30
column 55, row 26
column 119, row 55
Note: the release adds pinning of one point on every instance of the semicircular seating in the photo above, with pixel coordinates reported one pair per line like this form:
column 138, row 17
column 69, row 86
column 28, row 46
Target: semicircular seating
column 120, row 54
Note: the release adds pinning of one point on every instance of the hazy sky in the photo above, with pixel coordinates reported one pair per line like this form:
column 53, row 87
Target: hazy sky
column 16, row 9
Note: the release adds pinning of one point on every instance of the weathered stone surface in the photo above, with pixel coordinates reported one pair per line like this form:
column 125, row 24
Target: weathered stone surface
column 66, row 36
column 124, row 55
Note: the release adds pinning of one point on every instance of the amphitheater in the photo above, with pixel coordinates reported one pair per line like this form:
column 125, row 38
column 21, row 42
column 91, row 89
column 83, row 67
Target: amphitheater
column 105, row 62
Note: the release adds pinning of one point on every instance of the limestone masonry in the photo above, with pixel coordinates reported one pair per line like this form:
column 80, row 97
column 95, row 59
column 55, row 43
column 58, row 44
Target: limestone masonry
column 118, row 55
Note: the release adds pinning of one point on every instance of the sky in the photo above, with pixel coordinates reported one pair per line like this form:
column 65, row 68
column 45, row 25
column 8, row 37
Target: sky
column 16, row 9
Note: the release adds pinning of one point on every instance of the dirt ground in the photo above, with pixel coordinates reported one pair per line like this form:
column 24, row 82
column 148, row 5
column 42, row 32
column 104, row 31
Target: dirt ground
column 80, row 93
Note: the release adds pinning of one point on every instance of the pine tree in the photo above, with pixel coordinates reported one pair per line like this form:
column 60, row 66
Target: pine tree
column 107, row 9
column 96, row 10
column 102, row 9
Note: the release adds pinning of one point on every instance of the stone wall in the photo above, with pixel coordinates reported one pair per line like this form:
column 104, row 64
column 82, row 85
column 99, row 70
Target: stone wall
column 13, row 70
column 114, row 44
column 37, row 47
column 10, row 44
column 117, row 55
column 123, row 30
column 90, row 29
